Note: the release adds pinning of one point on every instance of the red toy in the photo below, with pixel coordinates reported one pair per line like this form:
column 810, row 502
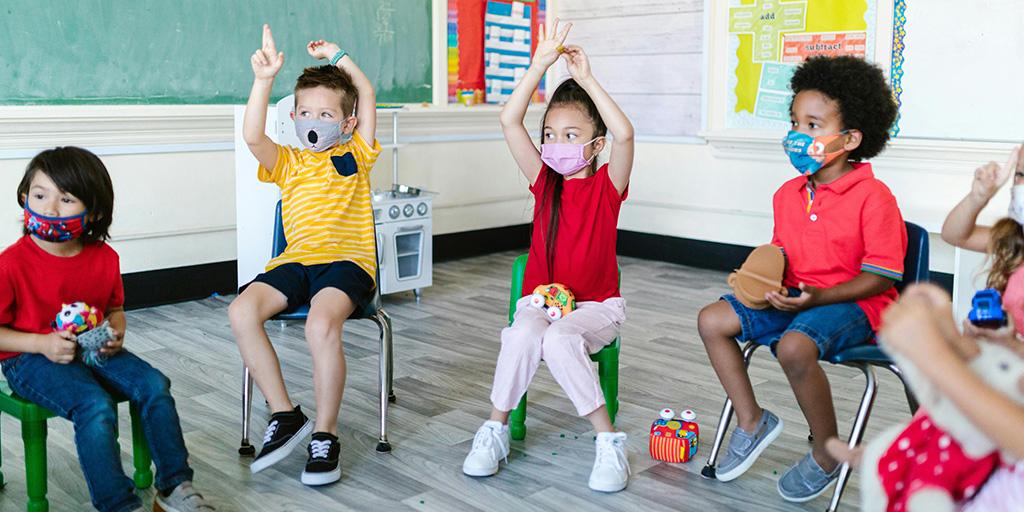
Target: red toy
column 675, row 439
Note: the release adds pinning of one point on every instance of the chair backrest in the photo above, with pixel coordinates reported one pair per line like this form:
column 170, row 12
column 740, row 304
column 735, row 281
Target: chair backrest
column 280, row 243
column 915, row 263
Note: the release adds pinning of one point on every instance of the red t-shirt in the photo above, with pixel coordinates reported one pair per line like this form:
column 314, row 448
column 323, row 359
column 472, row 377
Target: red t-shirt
column 851, row 225
column 588, row 220
column 34, row 284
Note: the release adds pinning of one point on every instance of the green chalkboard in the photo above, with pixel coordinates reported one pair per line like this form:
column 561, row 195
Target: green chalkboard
column 196, row 51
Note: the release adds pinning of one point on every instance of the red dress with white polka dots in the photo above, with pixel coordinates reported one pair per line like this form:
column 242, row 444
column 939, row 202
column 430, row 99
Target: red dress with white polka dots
column 925, row 456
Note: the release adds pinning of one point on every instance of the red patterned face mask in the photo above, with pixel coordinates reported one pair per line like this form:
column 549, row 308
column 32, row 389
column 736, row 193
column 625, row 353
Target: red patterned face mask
column 54, row 229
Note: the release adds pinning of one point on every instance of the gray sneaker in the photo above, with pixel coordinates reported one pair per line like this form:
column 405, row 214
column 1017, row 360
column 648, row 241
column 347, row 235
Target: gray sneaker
column 184, row 498
column 744, row 448
column 806, row 480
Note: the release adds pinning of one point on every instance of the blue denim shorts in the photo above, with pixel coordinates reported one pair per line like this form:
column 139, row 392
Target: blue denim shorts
column 833, row 328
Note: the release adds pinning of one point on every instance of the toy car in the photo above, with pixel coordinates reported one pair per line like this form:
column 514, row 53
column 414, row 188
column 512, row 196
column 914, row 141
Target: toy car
column 987, row 309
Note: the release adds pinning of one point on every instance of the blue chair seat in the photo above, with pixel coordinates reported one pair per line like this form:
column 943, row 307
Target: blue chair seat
column 868, row 353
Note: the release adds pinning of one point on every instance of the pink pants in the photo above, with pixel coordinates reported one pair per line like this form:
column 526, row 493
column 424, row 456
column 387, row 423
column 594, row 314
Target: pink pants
column 565, row 344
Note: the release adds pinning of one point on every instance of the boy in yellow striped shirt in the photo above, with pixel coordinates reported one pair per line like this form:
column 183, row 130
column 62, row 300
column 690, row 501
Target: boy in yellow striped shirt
column 330, row 260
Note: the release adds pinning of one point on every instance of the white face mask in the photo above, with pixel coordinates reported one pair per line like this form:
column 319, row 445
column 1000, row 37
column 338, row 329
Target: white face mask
column 1017, row 204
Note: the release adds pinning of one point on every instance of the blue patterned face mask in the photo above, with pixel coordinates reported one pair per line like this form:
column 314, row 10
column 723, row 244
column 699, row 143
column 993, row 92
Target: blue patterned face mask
column 320, row 135
column 808, row 154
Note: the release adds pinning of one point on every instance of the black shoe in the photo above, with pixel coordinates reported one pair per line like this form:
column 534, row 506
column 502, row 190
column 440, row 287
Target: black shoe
column 322, row 466
column 284, row 432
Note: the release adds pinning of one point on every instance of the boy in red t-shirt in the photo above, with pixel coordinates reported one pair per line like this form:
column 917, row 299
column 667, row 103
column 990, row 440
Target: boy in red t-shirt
column 844, row 241
column 62, row 259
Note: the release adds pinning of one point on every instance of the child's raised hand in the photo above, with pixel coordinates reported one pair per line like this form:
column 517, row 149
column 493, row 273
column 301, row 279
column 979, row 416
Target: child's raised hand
column 59, row 347
column 267, row 61
column 321, row 49
column 991, row 176
column 550, row 45
column 577, row 62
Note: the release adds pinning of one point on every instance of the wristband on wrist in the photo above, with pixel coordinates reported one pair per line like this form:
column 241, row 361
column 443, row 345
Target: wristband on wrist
column 338, row 56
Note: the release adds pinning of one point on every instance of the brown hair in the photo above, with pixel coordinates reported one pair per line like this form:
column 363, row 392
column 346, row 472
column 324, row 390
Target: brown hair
column 1006, row 251
column 80, row 173
column 567, row 94
column 333, row 78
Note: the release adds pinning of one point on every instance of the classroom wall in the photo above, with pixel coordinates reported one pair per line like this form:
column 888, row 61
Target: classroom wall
column 173, row 173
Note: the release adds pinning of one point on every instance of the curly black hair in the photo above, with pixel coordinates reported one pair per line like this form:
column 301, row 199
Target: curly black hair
column 865, row 99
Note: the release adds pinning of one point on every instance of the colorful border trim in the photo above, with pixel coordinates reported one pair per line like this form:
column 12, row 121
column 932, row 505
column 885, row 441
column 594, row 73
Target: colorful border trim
column 882, row 271
column 899, row 32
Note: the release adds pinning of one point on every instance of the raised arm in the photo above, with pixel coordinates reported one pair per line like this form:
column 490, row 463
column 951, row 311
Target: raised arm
column 620, row 162
column 960, row 228
column 266, row 62
column 366, row 105
column 517, row 137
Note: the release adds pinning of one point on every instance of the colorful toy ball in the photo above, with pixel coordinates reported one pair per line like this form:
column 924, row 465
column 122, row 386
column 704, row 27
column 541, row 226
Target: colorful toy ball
column 77, row 318
column 555, row 299
column 674, row 439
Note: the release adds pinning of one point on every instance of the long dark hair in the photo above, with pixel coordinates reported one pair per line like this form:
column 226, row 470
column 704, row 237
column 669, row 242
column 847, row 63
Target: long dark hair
column 567, row 94
column 1006, row 252
column 80, row 173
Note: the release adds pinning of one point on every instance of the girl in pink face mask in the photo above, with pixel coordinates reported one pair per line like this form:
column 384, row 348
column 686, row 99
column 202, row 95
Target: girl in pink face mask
column 575, row 216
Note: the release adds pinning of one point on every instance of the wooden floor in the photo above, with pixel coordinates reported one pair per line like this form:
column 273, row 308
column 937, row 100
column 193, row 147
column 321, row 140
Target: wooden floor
column 445, row 348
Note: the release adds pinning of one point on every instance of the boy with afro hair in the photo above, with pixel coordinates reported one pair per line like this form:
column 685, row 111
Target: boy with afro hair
column 844, row 240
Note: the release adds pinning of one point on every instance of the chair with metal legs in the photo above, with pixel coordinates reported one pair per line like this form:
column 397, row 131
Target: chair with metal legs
column 373, row 311
column 863, row 357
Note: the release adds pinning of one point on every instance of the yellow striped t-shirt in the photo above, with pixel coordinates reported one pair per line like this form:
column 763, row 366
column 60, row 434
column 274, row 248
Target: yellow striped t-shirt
column 325, row 204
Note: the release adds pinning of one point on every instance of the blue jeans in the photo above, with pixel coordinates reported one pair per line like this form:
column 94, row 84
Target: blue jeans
column 833, row 327
column 87, row 396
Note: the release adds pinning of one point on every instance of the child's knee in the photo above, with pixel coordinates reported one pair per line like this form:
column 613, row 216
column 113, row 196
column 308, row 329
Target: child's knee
column 562, row 344
column 520, row 339
column 716, row 320
column 98, row 413
column 243, row 313
column 154, row 385
column 323, row 332
column 796, row 353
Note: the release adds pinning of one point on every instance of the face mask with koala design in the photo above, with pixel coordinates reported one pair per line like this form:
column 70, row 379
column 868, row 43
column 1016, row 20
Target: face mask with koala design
column 320, row 135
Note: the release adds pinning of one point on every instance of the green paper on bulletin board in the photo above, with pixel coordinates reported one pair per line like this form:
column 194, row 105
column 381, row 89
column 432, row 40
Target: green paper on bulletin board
column 197, row 52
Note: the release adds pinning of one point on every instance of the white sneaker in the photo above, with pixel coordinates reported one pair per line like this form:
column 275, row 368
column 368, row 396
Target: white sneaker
column 490, row 445
column 611, row 466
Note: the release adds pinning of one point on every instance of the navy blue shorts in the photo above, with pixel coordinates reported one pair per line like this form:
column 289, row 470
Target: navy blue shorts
column 300, row 283
column 833, row 328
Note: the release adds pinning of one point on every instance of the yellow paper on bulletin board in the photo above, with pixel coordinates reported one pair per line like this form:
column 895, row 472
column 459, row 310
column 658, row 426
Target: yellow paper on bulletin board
column 769, row 38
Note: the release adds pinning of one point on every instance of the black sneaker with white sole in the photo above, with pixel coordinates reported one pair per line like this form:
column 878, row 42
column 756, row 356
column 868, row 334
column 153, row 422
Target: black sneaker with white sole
column 322, row 467
column 284, row 432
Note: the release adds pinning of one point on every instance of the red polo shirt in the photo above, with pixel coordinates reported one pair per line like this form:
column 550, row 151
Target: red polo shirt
column 851, row 225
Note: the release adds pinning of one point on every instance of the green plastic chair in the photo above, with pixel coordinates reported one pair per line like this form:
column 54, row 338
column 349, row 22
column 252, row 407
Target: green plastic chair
column 607, row 360
column 33, row 434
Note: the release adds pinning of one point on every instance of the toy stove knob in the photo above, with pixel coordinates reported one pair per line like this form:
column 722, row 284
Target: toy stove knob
column 688, row 415
column 666, row 414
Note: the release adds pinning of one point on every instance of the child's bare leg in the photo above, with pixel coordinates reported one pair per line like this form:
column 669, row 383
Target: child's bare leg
column 247, row 313
column 600, row 420
column 501, row 416
column 328, row 311
column 798, row 356
column 718, row 326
